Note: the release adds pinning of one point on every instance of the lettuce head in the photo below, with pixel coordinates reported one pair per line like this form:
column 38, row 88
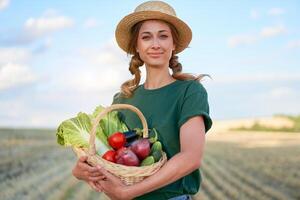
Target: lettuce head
column 111, row 122
column 76, row 132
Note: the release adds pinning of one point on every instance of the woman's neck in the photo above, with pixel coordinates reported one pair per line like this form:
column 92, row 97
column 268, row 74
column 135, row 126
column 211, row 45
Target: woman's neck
column 157, row 77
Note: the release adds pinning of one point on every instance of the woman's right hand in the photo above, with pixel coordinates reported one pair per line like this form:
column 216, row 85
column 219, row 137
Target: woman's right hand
column 84, row 171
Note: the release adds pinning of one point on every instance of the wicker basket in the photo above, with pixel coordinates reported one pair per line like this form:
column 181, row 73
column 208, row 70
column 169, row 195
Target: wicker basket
column 128, row 174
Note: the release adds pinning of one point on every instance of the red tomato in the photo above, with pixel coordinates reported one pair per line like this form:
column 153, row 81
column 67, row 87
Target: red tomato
column 110, row 155
column 117, row 140
column 119, row 152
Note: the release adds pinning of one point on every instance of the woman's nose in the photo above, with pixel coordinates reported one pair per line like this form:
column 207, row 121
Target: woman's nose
column 155, row 43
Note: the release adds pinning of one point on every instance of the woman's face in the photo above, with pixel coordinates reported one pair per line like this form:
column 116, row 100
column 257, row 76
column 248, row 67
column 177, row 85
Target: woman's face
column 155, row 43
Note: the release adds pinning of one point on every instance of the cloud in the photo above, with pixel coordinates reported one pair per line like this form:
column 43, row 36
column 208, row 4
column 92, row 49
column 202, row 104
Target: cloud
column 282, row 92
column 41, row 26
column 241, row 40
column 90, row 23
column 4, row 4
column 12, row 75
column 23, row 112
column 276, row 11
column 106, row 68
column 38, row 27
column 254, row 14
column 273, row 31
column 35, row 28
column 246, row 78
column 13, row 68
column 14, row 55
column 279, row 100
column 77, row 87
column 294, row 44
column 249, row 39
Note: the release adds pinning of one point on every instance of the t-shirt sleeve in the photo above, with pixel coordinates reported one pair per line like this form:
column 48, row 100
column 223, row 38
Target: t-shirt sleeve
column 195, row 103
column 116, row 98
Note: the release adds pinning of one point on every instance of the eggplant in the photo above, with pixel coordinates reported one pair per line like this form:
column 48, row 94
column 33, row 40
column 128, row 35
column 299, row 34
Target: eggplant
column 130, row 136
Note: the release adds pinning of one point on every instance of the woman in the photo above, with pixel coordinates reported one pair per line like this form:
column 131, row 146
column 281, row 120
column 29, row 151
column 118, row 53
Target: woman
column 175, row 104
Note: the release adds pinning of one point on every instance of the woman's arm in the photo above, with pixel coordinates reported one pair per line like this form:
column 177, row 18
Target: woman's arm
column 192, row 139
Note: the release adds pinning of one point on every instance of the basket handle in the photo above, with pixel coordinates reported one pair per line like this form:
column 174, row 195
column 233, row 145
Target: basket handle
column 92, row 146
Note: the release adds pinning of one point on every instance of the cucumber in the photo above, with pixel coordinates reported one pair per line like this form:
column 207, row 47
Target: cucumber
column 156, row 155
column 153, row 135
column 156, row 146
column 148, row 161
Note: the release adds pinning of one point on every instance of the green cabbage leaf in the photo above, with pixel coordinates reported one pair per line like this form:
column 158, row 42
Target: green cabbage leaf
column 111, row 122
column 76, row 131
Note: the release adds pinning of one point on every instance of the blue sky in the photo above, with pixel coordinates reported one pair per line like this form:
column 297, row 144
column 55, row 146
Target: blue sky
column 60, row 57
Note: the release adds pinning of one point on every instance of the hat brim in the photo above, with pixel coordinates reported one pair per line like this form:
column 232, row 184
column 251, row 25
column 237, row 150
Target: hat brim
column 123, row 28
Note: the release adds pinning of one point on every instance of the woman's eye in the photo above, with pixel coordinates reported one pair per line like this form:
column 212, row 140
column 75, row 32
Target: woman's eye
column 164, row 36
column 145, row 37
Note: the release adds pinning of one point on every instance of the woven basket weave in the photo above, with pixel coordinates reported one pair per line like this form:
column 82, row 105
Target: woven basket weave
column 128, row 174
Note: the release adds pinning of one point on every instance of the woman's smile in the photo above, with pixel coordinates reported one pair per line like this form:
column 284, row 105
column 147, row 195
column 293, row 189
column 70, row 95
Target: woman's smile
column 155, row 54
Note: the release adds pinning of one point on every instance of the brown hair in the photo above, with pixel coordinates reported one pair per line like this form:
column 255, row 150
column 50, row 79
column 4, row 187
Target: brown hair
column 128, row 87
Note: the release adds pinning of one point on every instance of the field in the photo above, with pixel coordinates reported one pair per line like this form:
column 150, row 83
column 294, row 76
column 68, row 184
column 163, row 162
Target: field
column 251, row 165
column 237, row 165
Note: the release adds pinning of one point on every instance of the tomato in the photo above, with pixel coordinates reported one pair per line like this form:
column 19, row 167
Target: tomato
column 110, row 155
column 117, row 140
column 120, row 151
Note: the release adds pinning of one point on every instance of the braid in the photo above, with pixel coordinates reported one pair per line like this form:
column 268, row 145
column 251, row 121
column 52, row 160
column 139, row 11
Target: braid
column 129, row 86
column 134, row 64
column 175, row 65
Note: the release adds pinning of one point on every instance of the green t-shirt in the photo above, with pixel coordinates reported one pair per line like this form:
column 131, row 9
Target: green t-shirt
column 166, row 109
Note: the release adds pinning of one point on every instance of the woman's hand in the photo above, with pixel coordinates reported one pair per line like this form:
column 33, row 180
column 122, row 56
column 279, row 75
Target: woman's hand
column 83, row 171
column 112, row 186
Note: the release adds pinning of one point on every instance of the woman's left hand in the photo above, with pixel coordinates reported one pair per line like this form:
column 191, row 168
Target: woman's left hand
column 112, row 186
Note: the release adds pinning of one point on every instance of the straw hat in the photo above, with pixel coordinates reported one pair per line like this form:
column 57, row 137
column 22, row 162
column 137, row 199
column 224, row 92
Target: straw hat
column 153, row 10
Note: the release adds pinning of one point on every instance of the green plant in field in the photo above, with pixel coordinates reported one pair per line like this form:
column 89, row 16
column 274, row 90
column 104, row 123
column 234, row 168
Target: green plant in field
column 259, row 127
column 296, row 120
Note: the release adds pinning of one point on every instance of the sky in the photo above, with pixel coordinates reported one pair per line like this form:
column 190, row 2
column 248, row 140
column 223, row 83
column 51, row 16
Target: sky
column 60, row 57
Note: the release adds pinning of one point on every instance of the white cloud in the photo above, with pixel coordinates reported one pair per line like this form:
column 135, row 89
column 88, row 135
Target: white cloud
column 106, row 68
column 276, row 11
column 294, row 44
column 12, row 75
column 90, row 23
column 236, row 79
column 47, row 24
column 14, row 55
column 65, row 94
column 14, row 70
column 249, row 39
column 279, row 100
column 273, row 31
column 3, row 4
column 21, row 112
column 35, row 28
column 282, row 92
column 240, row 40
column 254, row 14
